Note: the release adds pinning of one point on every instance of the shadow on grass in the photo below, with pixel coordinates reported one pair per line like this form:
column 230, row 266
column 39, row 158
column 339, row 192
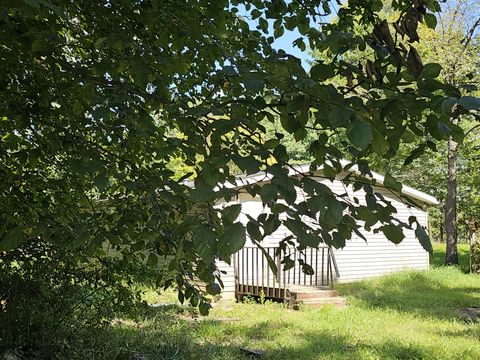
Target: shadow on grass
column 175, row 333
column 173, row 338
column 431, row 294
column 326, row 345
column 164, row 332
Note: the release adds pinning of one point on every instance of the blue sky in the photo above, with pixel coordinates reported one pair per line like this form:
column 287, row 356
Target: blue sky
column 285, row 43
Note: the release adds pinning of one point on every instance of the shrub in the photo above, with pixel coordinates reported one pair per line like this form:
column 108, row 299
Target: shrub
column 48, row 294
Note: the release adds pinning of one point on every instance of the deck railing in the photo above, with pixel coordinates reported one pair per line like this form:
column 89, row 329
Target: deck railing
column 254, row 275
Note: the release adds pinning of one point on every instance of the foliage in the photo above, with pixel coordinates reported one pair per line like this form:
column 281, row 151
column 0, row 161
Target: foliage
column 46, row 296
column 417, row 163
column 98, row 98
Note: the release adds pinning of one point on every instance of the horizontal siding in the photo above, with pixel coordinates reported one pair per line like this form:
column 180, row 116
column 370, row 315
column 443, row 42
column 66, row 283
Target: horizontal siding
column 228, row 279
column 362, row 259
column 359, row 259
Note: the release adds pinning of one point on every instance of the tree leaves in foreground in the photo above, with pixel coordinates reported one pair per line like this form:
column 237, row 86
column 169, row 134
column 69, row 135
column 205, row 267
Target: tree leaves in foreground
column 99, row 98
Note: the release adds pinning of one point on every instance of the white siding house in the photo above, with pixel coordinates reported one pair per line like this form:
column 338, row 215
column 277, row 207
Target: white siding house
column 359, row 259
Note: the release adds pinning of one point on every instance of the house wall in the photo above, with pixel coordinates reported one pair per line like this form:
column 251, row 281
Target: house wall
column 361, row 259
column 228, row 280
column 358, row 259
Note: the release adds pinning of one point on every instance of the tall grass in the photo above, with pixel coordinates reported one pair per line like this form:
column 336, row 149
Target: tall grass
column 406, row 315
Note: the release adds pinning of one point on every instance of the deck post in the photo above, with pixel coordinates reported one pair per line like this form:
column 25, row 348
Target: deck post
column 279, row 269
column 235, row 277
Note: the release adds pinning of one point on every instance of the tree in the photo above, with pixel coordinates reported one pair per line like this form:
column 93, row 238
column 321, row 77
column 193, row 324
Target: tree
column 99, row 98
column 454, row 44
column 455, row 49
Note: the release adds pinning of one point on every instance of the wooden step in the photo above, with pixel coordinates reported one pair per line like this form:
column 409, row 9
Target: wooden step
column 338, row 302
column 316, row 298
column 313, row 294
column 302, row 288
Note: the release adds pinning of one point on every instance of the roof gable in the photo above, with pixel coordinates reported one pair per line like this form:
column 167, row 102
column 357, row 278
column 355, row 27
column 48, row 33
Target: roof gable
column 406, row 191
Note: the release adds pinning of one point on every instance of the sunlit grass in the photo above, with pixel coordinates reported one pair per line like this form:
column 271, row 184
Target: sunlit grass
column 407, row 315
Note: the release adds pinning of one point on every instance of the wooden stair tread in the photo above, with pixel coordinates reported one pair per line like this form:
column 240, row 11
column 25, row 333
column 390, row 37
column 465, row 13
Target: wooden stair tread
column 310, row 294
column 300, row 288
column 324, row 300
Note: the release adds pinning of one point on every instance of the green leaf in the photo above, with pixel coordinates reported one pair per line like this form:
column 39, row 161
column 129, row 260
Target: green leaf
column 271, row 224
column 263, row 24
column 469, row 103
column 329, row 172
column 210, row 175
column 430, row 20
column 447, row 105
column 203, row 239
column 278, row 32
column 232, row 240
column 101, row 182
column 416, row 153
column 253, row 82
column 269, row 192
column 391, row 183
column 367, row 215
column 152, row 260
column 300, row 230
column 202, row 194
column 99, row 42
column 423, row 238
column 334, row 212
column 359, row 133
column 339, row 117
column 322, row 72
column 181, row 296
column 260, row 103
column 13, row 238
column 213, row 288
column 230, row 213
column 204, row 308
column 379, row 144
column 288, row 263
column 254, row 231
column 290, row 123
column 296, row 103
column 248, row 165
column 431, row 70
column 32, row 3
column 393, row 233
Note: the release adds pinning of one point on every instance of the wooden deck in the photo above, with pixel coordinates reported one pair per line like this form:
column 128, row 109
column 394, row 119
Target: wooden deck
column 261, row 273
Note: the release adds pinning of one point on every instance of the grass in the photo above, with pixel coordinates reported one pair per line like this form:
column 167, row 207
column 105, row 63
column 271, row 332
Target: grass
column 438, row 256
column 407, row 315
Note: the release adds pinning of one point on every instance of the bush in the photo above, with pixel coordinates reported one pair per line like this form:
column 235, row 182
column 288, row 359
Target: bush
column 48, row 294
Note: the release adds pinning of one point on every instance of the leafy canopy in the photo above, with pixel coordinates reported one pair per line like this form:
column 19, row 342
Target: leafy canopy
column 98, row 98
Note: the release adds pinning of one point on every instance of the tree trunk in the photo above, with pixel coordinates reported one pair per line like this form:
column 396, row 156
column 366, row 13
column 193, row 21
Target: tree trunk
column 451, row 254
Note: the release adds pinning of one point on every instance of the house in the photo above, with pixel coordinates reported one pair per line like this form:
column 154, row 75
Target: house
column 249, row 272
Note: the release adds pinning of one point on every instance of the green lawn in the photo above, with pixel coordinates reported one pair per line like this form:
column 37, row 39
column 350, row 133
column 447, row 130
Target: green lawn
column 438, row 256
column 408, row 315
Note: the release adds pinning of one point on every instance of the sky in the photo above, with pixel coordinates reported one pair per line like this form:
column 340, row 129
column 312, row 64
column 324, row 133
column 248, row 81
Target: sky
column 285, row 42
